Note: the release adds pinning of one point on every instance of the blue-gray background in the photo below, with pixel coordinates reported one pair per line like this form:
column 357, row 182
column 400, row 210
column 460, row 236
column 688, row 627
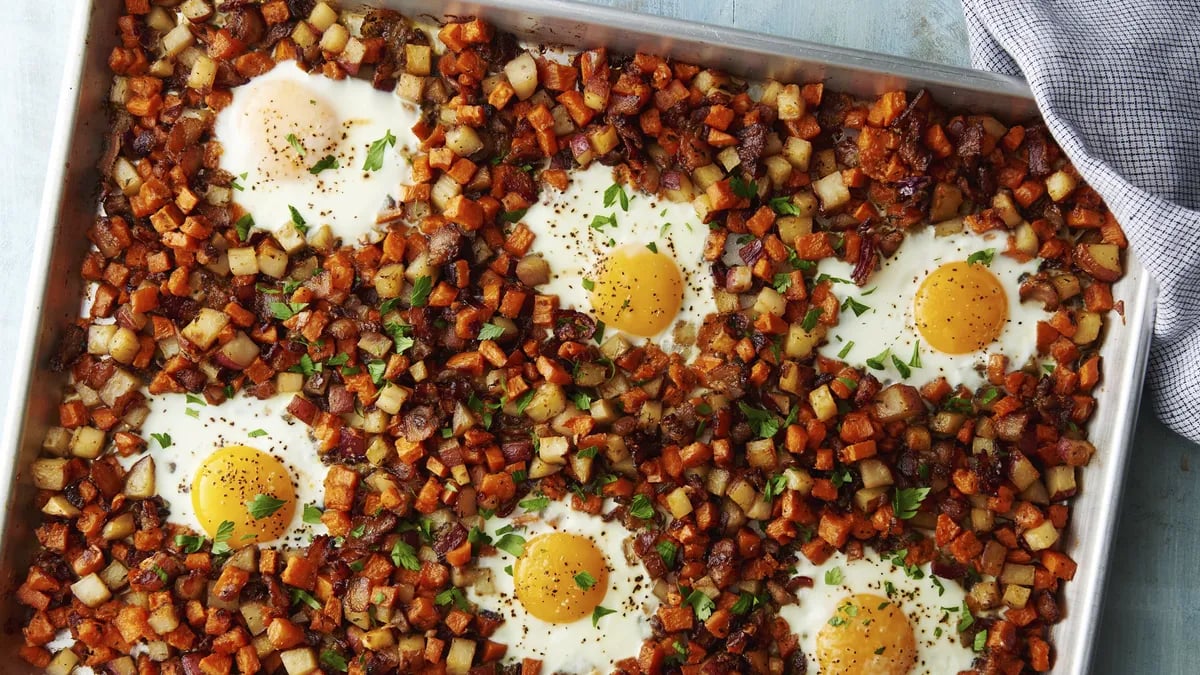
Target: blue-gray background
column 1153, row 602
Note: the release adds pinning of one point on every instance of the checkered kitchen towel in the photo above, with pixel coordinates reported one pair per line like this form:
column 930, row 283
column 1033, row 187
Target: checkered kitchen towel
column 1118, row 82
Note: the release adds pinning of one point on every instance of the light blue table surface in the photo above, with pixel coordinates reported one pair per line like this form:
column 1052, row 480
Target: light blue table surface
column 1153, row 604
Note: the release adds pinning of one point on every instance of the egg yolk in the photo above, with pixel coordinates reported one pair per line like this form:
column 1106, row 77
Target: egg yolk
column 960, row 308
column 560, row 577
column 638, row 291
column 233, row 476
column 868, row 635
column 291, row 126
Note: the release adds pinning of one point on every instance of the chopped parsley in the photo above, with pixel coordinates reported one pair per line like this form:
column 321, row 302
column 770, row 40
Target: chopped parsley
column 907, row 501
column 326, row 162
column 901, row 367
column 990, row 394
column 513, row 216
column 846, row 350
column 221, row 541
column 599, row 613
column 189, row 543
column 490, row 331
column 701, row 603
column 983, row 257
column 374, row 160
column 257, row 433
column 877, row 362
column 298, row 220
column 243, row 226
column 641, row 507
column 452, row 595
column 422, row 286
column 668, row 550
column 263, row 506
column 286, row 310
column 585, row 581
column 538, row 503
column 855, row 306
column 774, row 487
column 312, row 514
column 588, row 284
column 582, row 400
column 616, row 193
column 513, row 544
column 300, row 595
column 401, row 336
column 403, row 555
column 833, row 576
column 164, row 440
column 742, row 188
column 295, row 143
column 811, row 319
column 784, row 206
column 600, row 222
column 653, row 247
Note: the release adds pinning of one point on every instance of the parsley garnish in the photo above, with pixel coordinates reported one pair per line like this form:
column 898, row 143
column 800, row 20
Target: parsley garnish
column 513, row 216
column 641, row 507
column 263, row 506
column 980, row 641
column 668, row 550
column 965, row 619
column 615, row 193
column 404, row 556
column 774, row 487
column 374, row 160
column 701, row 603
column 781, row 282
column 376, row 369
column 742, row 188
column 400, row 335
column 599, row 613
column 811, row 318
column 326, row 162
column 876, row 362
column 846, row 350
column 833, row 576
column 286, row 310
column 189, row 543
column 164, row 440
column 585, row 581
column 257, row 433
column 511, row 543
column 915, row 361
column 907, row 501
column 588, row 452
column 855, row 306
column 490, row 331
column 192, row 412
column 196, row 400
column 582, row 400
column 901, row 367
column 523, row 402
column 420, row 291
column 989, row 395
column 243, row 226
column 221, row 541
column 745, row 603
column 588, row 284
column 301, row 595
column 848, row 383
column 312, row 514
column 762, row 422
column 653, row 247
column 600, row 222
column 538, row 503
column 983, row 257
column 298, row 220
column 295, row 143
column 784, row 206
column 334, row 660
column 842, row 477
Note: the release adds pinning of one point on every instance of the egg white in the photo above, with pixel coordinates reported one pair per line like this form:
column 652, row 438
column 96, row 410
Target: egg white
column 347, row 199
column 932, row 606
column 194, row 438
column 889, row 324
column 562, row 225
column 576, row 647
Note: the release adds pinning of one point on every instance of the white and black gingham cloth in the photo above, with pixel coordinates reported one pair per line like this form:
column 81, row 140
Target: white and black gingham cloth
column 1118, row 82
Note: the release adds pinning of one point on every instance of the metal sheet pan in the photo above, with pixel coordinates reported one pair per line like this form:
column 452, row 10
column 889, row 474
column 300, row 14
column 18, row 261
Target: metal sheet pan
column 54, row 287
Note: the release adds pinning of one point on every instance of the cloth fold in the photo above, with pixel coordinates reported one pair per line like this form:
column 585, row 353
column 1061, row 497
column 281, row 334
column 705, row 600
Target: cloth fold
column 1119, row 87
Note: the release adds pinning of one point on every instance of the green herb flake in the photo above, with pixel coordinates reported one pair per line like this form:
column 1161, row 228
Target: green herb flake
column 641, row 507
column 243, row 226
column 257, row 433
column 513, row 544
column 742, row 188
column 653, row 247
column 599, row 613
column 784, row 206
column 420, row 291
column 855, row 306
column 513, row 216
column 374, row 161
column 490, row 331
column 701, row 603
column 295, row 143
column 810, row 319
column 764, row 424
column 538, row 503
column 907, row 501
column 164, row 440
column 585, row 581
column 983, row 257
column 614, row 194
column 846, row 350
column 668, row 550
column 326, row 162
column 775, row 485
column 312, row 514
column 588, row 284
column 403, row 555
column 980, row 641
column 876, row 362
column 221, row 541
column 901, row 367
column 298, row 220
column 833, row 576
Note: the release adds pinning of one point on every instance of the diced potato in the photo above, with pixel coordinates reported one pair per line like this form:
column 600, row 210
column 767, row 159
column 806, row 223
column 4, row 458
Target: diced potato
column 119, row 528
column 986, row 595
column 59, row 506
column 549, row 400
column 126, row 177
column 304, row 35
column 604, row 139
column 91, row 591
column 760, row 454
column 553, row 449
column 299, row 661
column 717, row 481
column 945, row 201
column 335, row 38
column 1025, row 239
column 239, row 352
column 769, row 301
column 1016, row 596
column 789, row 103
column 63, row 663
column 204, row 329
column 522, row 75
column 1066, row 285
column 1006, row 208
column 418, row 59
column 1060, row 482
column 1041, row 537
column 463, row 141
column 98, row 338
column 678, row 503
column 287, row 383
column 115, row 575
column 798, row 152
column 57, row 441
column 272, row 262
column 87, row 442
column 875, row 473
column 322, row 17
column 389, row 281
column 778, row 169
column 800, row 343
column 824, row 162
column 176, row 40
column 1102, row 261
column 742, row 493
column 729, row 158
column 799, row 480
column 242, row 261
column 983, row 520
column 462, row 652
column 203, row 73
column 822, row 403
column 165, row 619
column 1014, row 573
column 139, row 482
column 119, row 384
column 196, row 10
column 832, row 191
column 1060, row 184
column 869, row 499
column 443, row 190
column 706, row 175
column 1022, row 471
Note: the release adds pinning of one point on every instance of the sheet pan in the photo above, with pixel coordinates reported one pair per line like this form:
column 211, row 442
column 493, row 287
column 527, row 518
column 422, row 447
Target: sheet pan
column 54, row 288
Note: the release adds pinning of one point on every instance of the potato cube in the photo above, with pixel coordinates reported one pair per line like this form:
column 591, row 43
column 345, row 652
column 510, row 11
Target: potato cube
column 203, row 73
column 522, row 75
column 299, row 661
column 242, row 261
column 91, row 591
column 204, row 329
column 789, row 103
column 798, row 152
column 1041, row 537
column 87, row 442
column 822, row 403
column 832, row 191
column 322, row 17
column 678, row 503
column 1060, row 184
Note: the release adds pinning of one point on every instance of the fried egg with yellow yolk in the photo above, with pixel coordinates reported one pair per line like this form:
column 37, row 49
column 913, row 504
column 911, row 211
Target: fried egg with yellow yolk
column 634, row 261
column 333, row 150
column 243, row 470
column 939, row 306
column 869, row 616
column 569, row 592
